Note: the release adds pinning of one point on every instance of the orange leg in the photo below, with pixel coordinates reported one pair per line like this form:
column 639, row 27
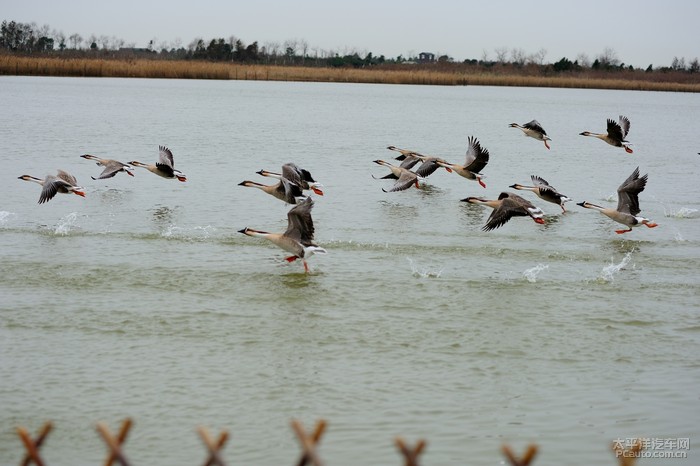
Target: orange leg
column 291, row 258
column 619, row 232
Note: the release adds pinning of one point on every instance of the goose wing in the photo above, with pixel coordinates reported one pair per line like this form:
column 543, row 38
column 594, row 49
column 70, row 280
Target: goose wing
column 615, row 130
column 300, row 225
column 409, row 161
column 404, row 182
column 428, row 167
column 624, row 125
column 67, row 177
column 477, row 156
column 540, row 182
column 509, row 207
column 292, row 173
column 165, row 161
column 534, row 125
column 112, row 167
column 628, row 193
column 51, row 186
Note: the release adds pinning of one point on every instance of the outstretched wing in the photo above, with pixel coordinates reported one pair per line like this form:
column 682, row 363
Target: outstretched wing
column 615, row 130
column 67, row 177
column 624, row 125
column 300, row 225
column 477, row 156
column 427, row 168
column 165, row 160
column 534, row 125
column 628, row 193
column 111, row 168
column 539, row 181
column 404, row 182
column 51, row 186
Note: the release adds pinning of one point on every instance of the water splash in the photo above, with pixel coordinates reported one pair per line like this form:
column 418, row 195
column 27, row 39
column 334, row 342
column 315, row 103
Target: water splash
column 5, row 216
column 66, row 224
column 423, row 273
column 683, row 212
column 532, row 273
column 609, row 271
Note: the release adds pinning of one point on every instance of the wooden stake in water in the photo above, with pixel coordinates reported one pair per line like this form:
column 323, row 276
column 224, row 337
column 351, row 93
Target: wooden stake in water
column 213, row 447
column 410, row 454
column 32, row 446
column 309, row 442
column 114, row 444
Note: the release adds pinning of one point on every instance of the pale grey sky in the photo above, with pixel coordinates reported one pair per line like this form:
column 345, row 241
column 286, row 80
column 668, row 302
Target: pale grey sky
column 641, row 33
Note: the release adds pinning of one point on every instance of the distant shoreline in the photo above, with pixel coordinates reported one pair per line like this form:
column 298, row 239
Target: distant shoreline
column 13, row 65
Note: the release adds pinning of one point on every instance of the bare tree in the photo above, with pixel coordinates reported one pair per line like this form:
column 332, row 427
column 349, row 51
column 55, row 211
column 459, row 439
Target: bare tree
column 583, row 60
column 694, row 66
column 538, row 57
column 60, row 37
column 678, row 64
column 518, row 56
column 485, row 55
column 501, row 54
column 75, row 40
column 608, row 58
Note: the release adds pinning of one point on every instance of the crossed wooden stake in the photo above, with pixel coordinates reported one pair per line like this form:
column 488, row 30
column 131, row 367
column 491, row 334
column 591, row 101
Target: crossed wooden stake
column 213, row 447
column 114, row 444
column 32, row 446
column 309, row 442
column 627, row 457
column 525, row 460
column 410, row 454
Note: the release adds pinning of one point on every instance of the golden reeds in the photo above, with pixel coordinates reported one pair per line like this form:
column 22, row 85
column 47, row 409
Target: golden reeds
column 191, row 69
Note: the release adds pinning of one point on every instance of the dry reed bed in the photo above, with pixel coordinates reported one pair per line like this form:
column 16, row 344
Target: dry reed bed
column 142, row 68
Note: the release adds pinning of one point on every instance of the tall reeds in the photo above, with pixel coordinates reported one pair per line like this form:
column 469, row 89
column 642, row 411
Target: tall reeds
column 190, row 69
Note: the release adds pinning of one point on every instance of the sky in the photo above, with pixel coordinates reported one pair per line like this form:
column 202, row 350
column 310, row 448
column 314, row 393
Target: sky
column 640, row 33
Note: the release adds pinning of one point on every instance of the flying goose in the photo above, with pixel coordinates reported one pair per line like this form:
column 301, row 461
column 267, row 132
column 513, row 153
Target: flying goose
column 506, row 206
column 63, row 182
column 627, row 209
column 404, row 177
column 408, row 158
column 534, row 130
column 284, row 190
column 617, row 132
column 544, row 191
column 297, row 176
column 477, row 159
column 298, row 239
column 164, row 167
column 112, row 167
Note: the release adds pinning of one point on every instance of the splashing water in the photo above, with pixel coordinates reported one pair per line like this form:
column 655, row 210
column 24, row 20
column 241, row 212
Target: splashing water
column 683, row 212
column 609, row 271
column 5, row 216
column 66, row 224
column 532, row 273
column 423, row 273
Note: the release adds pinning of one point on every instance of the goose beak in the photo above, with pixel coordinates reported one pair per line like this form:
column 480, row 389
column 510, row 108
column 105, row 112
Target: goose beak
column 582, row 204
column 244, row 231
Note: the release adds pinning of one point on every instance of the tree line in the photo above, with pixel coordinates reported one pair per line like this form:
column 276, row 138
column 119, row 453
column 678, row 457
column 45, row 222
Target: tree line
column 28, row 39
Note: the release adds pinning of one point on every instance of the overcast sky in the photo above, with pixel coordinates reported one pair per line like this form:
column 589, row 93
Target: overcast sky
column 640, row 33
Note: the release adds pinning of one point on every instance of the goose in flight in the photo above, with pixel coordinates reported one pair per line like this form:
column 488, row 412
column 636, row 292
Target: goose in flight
column 297, row 176
column 164, row 167
column 534, row 130
column 477, row 159
column 617, row 132
column 544, row 191
column 404, row 177
column 112, row 167
column 627, row 211
column 62, row 182
column 298, row 239
column 507, row 205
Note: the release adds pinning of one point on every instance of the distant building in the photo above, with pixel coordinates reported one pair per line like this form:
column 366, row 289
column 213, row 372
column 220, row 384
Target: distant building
column 426, row 57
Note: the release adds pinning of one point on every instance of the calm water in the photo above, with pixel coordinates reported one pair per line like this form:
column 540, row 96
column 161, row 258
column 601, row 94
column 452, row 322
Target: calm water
column 142, row 299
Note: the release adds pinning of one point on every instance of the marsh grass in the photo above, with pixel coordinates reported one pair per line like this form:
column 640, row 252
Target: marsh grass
column 190, row 69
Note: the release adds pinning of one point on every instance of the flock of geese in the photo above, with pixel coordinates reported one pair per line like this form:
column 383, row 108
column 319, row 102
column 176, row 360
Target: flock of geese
column 293, row 181
column 509, row 205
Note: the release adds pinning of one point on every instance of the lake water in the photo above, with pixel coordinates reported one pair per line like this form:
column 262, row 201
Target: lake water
column 143, row 300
